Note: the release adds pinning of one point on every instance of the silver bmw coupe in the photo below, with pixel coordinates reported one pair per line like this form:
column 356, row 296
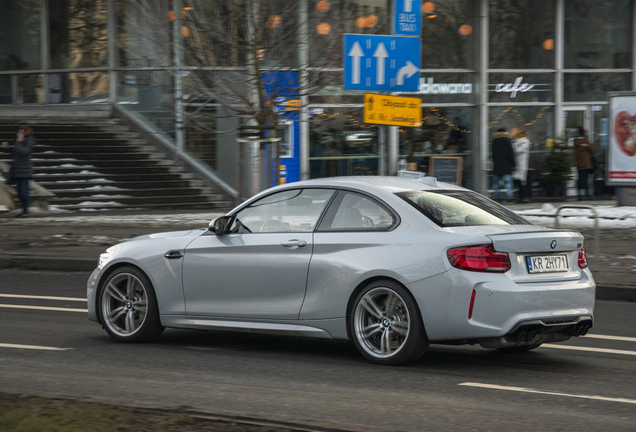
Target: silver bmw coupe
column 392, row 264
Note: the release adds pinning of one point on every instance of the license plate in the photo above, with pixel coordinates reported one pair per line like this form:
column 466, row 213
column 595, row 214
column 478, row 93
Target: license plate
column 547, row 263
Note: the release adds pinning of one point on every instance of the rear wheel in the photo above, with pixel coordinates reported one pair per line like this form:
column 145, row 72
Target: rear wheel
column 386, row 324
column 128, row 306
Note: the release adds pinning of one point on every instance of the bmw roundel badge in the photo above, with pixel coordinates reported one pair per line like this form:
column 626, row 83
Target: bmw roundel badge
column 553, row 244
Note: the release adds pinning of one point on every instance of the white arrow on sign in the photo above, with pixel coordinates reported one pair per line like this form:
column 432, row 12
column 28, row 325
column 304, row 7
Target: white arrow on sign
column 356, row 52
column 408, row 5
column 407, row 71
column 380, row 54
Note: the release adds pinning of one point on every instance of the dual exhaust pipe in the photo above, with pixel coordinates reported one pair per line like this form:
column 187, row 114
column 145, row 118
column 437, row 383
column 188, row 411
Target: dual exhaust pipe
column 530, row 332
column 526, row 337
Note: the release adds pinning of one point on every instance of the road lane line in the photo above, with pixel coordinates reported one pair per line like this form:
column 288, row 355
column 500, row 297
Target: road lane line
column 42, row 308
column 77, row 299
column 33, row 347
column 608, row 337
column 579, row 348
column 528, row 390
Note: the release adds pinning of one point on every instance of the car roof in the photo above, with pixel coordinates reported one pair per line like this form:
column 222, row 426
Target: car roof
column 373, row 183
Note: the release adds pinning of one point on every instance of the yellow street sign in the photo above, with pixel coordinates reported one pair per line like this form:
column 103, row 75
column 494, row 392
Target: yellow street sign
column 392, row 110
column 292, row 105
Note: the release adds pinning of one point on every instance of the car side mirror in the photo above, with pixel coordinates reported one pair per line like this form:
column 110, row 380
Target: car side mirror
column 220, row 225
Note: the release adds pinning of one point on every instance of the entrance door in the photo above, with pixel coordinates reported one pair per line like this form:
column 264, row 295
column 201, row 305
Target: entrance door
column 575, row 116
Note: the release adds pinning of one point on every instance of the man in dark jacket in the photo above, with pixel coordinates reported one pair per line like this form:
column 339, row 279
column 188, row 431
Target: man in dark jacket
column 21, row 167
column 503, row 163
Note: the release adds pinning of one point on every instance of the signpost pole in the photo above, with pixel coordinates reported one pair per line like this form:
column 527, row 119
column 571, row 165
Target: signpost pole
column 382, row 150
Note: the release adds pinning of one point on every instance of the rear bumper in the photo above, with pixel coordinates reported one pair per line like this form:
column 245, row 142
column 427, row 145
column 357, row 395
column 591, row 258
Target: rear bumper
column 502, row 307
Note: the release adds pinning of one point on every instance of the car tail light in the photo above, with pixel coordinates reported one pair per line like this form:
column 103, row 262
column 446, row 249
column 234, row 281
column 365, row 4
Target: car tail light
column 481, row 258
column 582, row 258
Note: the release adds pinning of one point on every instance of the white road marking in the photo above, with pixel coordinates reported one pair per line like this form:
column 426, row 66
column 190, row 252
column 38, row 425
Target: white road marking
column 43, row 297
column 607, row 337
column 600, row 350
column 42, row 308
column 528, row 390
column 33, row 347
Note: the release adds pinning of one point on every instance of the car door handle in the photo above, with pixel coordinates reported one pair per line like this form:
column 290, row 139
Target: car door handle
column 173, row 255
column 294, row 244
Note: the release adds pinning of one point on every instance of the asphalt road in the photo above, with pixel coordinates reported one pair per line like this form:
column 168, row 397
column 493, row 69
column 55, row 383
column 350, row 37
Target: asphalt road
column 586, row 383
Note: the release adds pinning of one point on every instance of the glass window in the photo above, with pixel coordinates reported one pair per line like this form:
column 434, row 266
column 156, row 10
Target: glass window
column 341, row 144
column 201, row 136
column 296, row 210
column 521, row 87
column 79, row 87
column 330, row 20
column 460, row 208
column 5, row 89
column 593, row 86
column 537, row 122
column 148, row 94
column 20, row 35
column 449, row 37
column 444, row 131
column 521, row 34
column 78, row 34
column 30, row 89
column 355, row 212
column 597, row 34
column 144, row 33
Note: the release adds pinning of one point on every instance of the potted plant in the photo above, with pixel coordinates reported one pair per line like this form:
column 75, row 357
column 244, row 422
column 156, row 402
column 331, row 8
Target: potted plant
column 557, row 167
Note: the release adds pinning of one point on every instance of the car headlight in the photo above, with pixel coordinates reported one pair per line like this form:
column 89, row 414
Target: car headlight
column 103, row 259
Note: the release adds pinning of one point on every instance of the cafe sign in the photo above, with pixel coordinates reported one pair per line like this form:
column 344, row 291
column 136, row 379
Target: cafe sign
column 514, row 88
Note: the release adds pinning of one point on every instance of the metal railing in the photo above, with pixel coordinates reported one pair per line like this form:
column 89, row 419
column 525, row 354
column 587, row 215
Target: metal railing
column 594, row 212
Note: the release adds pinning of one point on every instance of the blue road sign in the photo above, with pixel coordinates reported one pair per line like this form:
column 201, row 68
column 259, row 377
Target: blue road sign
column 375, row 62
column 407, row 17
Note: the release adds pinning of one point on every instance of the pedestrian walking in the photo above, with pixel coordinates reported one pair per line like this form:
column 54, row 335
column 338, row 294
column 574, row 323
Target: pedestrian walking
column 584, row 157
column 503, row 160
column 521, row 150
column 21, row 171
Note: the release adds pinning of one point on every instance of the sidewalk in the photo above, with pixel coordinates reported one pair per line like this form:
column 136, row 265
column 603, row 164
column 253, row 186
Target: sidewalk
column 73, row 242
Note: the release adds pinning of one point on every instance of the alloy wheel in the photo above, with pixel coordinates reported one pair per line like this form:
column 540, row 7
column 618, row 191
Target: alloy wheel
column 382, row 322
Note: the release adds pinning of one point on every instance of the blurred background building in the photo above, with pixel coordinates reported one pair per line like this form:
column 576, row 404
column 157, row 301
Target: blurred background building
column 542, row 66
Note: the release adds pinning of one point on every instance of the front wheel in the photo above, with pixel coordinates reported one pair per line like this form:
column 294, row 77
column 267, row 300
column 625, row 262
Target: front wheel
column 386, row 324
column 128, row 306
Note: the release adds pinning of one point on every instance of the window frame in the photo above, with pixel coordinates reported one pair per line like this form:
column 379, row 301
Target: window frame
column 248, row 204
column 334, row 206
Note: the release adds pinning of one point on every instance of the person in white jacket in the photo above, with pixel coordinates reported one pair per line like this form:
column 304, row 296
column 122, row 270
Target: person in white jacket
column 521, row 150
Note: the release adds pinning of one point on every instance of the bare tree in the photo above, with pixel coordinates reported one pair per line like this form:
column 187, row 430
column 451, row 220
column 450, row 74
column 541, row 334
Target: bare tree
column 247, row 51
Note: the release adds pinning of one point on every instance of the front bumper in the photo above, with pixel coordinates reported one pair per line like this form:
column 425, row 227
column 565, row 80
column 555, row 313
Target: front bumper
column 91, row 293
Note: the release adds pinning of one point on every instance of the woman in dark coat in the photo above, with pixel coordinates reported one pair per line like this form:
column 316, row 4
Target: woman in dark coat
column 503, row 163
column 584, row 156
column 21, row 166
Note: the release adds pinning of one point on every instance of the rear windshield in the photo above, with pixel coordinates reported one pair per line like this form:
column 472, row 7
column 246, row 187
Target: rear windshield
column 452, row 208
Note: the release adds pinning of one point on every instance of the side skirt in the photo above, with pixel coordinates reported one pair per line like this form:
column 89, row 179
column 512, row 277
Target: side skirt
column 323, row 329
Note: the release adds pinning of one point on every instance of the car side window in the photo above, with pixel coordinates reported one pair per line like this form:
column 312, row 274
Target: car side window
column 289, row 211
column 355, row 212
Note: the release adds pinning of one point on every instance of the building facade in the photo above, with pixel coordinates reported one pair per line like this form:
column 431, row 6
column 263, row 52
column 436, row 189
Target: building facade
column 539, row 66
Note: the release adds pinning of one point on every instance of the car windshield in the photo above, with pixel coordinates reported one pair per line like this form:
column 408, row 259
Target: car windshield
column 452, row 208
